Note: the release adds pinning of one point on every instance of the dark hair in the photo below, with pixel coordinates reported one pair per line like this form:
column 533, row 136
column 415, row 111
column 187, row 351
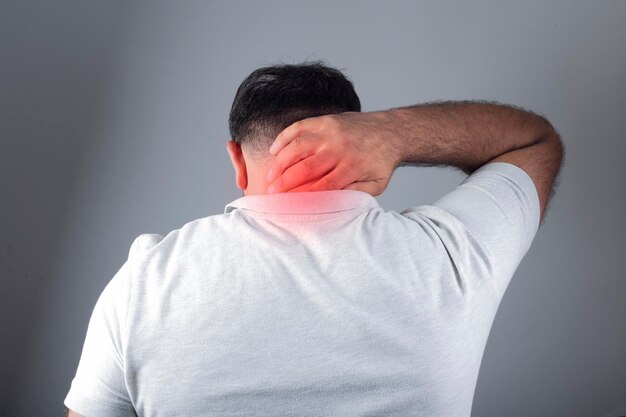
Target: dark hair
column 272, row 98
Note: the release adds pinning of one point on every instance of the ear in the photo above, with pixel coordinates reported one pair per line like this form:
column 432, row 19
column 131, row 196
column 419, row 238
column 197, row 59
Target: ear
column 239, row 163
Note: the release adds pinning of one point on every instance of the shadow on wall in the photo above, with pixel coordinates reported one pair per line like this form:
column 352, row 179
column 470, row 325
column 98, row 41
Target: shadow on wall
column 56, row 76
column 620, row 411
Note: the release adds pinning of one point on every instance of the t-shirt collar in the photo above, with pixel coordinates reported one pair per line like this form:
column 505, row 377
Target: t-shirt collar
column 304, row 202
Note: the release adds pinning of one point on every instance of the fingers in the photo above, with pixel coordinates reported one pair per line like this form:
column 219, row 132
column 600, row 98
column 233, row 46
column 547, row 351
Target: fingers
column 301, row 173
column 335, row 180
column 304, row 187
column 295, row 151
column 291, row 132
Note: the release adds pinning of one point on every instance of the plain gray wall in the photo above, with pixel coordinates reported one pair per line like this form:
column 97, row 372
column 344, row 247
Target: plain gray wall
column 114, row 123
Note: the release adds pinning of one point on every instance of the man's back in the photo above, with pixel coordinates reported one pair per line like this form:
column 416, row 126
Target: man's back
column 318, row 303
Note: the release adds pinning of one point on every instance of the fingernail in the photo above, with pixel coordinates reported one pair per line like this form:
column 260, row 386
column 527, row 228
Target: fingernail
column 271, row 189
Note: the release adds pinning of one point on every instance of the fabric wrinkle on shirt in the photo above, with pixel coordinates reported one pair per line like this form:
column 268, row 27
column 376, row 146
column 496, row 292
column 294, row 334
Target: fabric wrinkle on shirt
column 308, row 304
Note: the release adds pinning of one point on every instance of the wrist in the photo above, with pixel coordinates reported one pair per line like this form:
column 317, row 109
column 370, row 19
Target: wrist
column 388, row 127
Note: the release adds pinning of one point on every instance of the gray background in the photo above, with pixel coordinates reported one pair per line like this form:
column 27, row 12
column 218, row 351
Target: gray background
column 114, row 123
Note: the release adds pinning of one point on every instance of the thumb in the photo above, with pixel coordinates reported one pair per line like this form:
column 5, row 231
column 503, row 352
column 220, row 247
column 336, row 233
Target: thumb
column 369, row 187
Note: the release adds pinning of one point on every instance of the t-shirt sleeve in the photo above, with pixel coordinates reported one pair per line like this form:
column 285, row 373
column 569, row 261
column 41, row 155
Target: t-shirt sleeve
column 99, row 388
column 487, row 223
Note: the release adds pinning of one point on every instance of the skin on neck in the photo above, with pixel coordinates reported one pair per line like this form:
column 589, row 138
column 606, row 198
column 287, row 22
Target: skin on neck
column 249, row 172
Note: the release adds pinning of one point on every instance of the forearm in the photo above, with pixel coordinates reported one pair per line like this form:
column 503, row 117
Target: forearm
column 463, row 134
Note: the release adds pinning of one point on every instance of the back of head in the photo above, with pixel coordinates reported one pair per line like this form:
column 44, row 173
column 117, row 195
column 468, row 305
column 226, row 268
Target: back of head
column 272, row 98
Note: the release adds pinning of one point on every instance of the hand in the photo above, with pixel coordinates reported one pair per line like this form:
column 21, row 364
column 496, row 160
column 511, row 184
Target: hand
column 345, row 151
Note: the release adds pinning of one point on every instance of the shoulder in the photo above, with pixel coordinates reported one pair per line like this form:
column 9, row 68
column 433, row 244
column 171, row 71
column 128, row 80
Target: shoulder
column 145, row 241
column 157, row 243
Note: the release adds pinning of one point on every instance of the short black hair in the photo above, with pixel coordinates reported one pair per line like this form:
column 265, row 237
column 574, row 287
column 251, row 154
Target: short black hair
column 273, row 97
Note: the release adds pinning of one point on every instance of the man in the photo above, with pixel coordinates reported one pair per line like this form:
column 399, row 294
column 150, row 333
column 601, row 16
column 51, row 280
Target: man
column 305, row 297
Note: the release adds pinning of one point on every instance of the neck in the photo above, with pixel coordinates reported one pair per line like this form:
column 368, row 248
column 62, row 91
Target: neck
column 257, row 184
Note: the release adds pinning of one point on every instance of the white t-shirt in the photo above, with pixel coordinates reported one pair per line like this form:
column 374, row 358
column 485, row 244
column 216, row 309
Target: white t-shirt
column 310, row 304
